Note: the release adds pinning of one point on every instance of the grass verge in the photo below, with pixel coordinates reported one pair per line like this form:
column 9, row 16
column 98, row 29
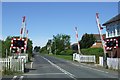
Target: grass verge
column 66, row 57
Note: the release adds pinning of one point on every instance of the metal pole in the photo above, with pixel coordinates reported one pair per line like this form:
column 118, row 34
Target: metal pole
column 102, row 40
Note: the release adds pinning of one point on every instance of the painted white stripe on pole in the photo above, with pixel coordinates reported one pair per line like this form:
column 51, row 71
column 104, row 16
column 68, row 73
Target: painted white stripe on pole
column 64, row 71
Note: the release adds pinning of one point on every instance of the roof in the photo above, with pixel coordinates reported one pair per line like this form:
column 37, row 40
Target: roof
column 97, row 37
column 114, row 19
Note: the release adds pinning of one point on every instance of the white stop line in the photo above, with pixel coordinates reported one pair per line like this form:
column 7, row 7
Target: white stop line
column 21, row 77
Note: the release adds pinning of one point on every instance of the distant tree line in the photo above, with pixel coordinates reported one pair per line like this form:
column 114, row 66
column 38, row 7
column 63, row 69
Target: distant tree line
column 37, row 48
column 60, row 44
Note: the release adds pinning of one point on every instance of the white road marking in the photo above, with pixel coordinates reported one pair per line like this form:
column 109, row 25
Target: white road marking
column 21, row 77
column 90, row 68
column 14, row 78
column 47, row 74
column 87, row 67
column 64, row 71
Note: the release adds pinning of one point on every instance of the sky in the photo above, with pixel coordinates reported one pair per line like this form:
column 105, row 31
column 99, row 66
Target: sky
column 45, row 19
column 59, row 0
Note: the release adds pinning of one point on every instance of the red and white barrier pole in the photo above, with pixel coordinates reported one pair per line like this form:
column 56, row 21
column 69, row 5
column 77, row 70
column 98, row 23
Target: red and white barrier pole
column 77, row 40
column 22, row 31
column 26, row 41
column 100, row 31
column 102, row 40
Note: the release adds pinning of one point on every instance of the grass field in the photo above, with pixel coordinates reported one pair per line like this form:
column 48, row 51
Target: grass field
column 67, row 57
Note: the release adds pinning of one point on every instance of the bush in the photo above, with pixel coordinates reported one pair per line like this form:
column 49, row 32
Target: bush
column 66, row 52
column 45, row 52
column 93, row 51
column 69, row 52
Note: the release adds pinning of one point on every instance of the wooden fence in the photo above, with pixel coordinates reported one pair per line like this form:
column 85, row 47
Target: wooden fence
column 12, row 64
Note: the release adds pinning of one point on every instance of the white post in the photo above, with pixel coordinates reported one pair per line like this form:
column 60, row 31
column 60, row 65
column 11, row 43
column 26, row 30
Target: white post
column 31, row 64
column 22, row 65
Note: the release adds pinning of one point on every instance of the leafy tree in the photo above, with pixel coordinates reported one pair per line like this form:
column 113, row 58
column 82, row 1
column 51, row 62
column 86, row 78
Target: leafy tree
column 0, row 48
column 60, row 43
column 87, row 40
column 37, row 48
column 29, row 48
column 5, row 45
column 49, row 45
column 44, row 50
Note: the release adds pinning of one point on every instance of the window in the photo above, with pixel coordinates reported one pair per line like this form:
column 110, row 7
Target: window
column 113, row 31
column 118, row 30
column 108, row 34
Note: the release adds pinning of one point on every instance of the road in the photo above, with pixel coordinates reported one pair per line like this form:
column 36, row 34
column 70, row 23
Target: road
column 48, row 67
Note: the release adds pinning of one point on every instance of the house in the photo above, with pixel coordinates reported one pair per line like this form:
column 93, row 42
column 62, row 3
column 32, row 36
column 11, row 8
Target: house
column 98, row 42
column 113, row 36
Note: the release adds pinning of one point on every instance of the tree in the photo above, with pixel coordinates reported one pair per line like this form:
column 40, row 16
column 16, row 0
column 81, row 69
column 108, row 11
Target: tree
column 44, row 50
column 29, row 48
column 60, row 43
column 87, row 40
column 37, row 48
column 0, row 48
column 49, row 45
column 5, row 45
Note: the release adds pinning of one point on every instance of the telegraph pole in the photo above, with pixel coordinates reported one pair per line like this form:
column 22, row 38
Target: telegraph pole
column 102, row 40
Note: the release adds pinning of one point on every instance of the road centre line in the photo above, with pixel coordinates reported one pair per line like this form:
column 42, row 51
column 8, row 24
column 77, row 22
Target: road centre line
column 64, row 71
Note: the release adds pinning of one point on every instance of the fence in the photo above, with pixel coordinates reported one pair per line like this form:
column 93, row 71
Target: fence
column 12, row 64
column 111, row 62
column 84, row 58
